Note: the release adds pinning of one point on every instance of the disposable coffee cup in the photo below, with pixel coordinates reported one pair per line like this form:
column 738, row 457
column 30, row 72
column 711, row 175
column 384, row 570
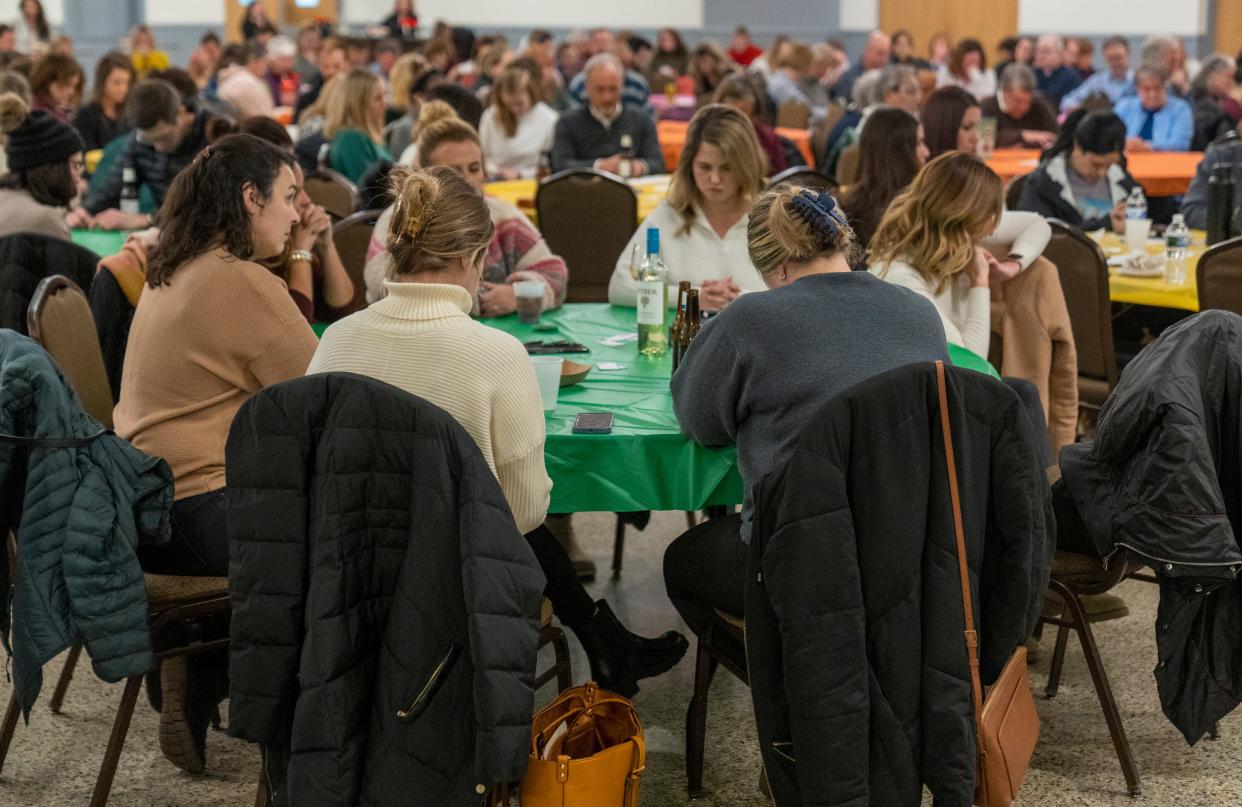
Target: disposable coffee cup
column 1137, row 231
column 548, row 373
column 529, row 297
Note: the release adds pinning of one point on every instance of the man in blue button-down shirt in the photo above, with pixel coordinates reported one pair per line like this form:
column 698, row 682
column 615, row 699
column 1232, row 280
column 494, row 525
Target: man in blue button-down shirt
column 1155, row 121
column 1116, row 82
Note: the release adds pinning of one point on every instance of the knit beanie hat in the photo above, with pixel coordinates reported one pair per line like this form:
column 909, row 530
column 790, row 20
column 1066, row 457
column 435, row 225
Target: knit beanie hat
column 34, row 138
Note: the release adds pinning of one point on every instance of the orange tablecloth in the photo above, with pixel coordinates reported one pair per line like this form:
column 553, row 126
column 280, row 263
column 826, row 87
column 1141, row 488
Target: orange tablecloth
column 672, row 134
column 1161, row 173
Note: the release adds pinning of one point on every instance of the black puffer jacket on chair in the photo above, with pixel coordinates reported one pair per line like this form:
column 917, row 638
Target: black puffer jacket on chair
column 385, row 606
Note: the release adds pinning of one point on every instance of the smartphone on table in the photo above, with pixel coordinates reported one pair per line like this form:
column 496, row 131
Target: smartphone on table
column 593, row 423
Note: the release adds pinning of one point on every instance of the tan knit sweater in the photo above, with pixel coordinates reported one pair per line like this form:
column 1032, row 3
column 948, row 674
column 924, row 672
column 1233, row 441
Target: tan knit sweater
column 420, row 338
column 219, row 331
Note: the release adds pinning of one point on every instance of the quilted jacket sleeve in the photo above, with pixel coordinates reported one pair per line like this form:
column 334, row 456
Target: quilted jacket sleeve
column 503, row 587
column 267, row 504
column 811, row 576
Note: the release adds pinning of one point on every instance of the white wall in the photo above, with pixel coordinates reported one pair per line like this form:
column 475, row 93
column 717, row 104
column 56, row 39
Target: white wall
column 1105, row 17
column 539, row 13
column 858, row 15
column 184, row 12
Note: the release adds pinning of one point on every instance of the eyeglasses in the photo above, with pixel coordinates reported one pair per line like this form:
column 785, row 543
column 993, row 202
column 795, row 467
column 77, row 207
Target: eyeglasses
column 77, row 166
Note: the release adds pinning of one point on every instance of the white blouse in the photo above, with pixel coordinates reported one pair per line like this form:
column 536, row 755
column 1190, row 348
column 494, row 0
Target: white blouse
column 966, row 311
column 522, row 151
column 696, row 256
column 981, row 84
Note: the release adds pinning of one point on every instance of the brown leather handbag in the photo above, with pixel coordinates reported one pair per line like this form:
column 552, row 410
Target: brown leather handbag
column 586, row 750
column 1006, row 723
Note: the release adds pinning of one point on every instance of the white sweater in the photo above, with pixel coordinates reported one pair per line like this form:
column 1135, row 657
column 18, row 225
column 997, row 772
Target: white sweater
column 532, row 138
column 696, row 256
column 420, row 338
column 965, row 311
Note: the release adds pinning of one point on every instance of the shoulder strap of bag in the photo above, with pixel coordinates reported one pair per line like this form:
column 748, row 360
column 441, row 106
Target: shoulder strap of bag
column 972, row 637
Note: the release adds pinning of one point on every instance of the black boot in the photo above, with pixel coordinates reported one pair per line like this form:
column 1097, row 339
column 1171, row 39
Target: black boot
column 620, row 658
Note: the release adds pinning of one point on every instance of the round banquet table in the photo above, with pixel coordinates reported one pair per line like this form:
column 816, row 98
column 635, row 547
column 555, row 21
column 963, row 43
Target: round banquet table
column 520, row 193
column 645, row 463
column 672, row 136
column 102, row 242
column 1153, row 291
column 1161, row 173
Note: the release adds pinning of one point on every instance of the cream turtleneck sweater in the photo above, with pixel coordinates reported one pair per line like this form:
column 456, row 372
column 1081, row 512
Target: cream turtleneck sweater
column 421, row 338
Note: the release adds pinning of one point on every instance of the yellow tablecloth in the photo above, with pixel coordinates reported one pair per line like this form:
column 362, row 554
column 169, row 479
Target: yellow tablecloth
column 521, row 194
column 1153, row 290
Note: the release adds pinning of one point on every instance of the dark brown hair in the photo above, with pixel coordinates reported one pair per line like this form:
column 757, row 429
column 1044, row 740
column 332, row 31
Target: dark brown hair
column 959, row 53
column 103, row 69
column 54, row 68
column 204, row 209
column 887, row 161
column 942, row 117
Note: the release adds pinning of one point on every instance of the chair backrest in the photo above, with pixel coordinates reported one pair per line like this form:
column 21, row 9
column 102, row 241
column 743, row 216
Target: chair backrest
column 333, row 192
column 59, row 319
column 1219, row 275
column 1013, row 194
column 801, row 175
column 352, row 237
column 793, row 114
column 1083, row 270
column 847, row 165
column 587, row 217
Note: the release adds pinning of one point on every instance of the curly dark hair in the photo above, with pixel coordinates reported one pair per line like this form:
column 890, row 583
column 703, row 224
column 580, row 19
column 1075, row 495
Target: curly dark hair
column 204, row 208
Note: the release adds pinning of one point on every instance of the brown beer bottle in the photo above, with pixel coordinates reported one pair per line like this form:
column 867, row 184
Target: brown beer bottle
column 679, row 320
column 694, row 321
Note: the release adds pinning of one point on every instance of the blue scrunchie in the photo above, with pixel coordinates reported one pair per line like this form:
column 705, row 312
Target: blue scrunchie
column 820, row 211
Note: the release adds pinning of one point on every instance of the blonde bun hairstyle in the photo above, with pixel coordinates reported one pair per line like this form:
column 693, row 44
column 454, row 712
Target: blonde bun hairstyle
column 437, row 218
column 13, row 111
column 439, row 123
column 786, row 225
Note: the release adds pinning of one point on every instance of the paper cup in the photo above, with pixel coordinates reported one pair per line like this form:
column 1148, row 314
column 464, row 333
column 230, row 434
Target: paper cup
column 1137, row 231
column 548, row 373
column 528, row 296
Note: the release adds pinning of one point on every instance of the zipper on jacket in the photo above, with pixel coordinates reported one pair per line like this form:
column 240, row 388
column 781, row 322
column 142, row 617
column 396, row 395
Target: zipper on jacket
column 433, row 682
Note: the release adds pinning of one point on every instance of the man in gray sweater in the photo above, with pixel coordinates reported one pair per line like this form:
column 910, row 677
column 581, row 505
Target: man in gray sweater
column 1195, row 202
column 755, row 376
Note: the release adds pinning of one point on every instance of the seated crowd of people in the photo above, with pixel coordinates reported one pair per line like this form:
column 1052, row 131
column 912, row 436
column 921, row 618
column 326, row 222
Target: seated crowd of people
column 207, row 167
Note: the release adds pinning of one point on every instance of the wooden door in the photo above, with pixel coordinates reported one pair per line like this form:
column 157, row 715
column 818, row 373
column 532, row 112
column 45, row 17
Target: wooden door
column 1229, row 26
column 989, row 22
column 288, row 15
column 298, row 14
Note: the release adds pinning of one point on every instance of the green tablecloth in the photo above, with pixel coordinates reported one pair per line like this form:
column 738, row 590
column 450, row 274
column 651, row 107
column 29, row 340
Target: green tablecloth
column 102, row 242
column 645, row 464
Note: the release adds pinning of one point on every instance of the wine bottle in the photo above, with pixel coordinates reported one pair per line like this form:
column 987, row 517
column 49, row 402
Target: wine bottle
column 652, row 299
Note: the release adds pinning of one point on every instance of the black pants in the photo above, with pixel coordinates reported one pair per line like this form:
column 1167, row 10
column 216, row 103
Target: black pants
column 200, row 542
column 1028, row 394
column 570, row 601
column 705, row 568
column 1072, row 535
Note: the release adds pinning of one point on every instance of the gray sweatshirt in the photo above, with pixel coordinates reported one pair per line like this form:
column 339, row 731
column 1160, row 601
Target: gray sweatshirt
column 1195, row 202
column 760, row 369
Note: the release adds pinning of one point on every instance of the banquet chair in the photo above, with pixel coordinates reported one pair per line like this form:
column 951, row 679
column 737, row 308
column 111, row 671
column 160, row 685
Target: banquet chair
column 722, row 643
column 804, row 176
column 793, row 114
column 587, row 217
column 1013, row 194
column 847, row 165
column 352, row 237
column 1084, row 278
column 333, row 192
column 1219, row 276
column 188, row 614
column 821, row 129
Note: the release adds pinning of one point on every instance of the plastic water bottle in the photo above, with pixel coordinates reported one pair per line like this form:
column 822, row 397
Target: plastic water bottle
column 1176, row 241
column 1136, row 205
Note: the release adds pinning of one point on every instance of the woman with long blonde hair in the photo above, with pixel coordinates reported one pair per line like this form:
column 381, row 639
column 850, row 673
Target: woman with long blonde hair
column 516, row 130
column 940, row 238
column 702, row 223
column 354, row 124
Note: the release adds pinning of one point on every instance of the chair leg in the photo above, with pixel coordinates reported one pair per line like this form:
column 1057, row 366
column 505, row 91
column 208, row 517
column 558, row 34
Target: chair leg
column 1112, row 715
column 618, row 547
column 1058, row 661
column 564, row 671
column 1214, row 731
column 8, row 726
column 696, row 716
column 120, row 728
column 66, row 675
column 690, row 519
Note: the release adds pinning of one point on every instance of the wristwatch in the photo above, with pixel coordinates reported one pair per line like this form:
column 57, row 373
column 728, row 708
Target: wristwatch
column 300, row 255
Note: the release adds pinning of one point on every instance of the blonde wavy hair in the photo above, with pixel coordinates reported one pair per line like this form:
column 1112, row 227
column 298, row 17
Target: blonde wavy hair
column 933, row 224
column 776, row 234
column 350, row 106
column 729, row 130
column 439, row 123
column 405, row 71
column 437, row 218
